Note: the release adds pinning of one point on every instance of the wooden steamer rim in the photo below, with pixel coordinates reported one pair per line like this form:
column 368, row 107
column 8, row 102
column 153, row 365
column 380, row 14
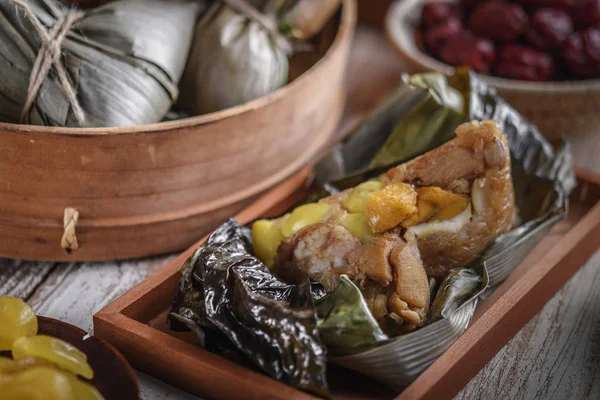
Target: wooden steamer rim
column 134, row 206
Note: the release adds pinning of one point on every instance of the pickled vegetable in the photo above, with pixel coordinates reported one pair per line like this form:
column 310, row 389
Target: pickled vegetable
column 83, row 391
column 388, row 207
column 46, row 383
column 17, row 319
column 356, row 202
column 266, row 237
column 10, row 366
column 40, row 383
column 304, row 215
column 57, row 351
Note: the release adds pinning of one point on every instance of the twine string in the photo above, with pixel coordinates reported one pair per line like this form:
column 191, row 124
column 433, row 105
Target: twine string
column 265, row 22
column 49, row 56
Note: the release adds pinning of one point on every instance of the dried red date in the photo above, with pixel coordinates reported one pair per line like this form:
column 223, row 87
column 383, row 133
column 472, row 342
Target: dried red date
column 581, row 51
column 468, row 4
column 465, row 49
column 591, row 44
column 437, row 36
column 549, row 28
column 523, row 63
column 585, row 14
column 435, row 13
column 560, row 4
column 498, row 21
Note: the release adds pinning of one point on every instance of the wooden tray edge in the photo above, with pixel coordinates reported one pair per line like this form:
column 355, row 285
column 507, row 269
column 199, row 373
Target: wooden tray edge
column 505, row 318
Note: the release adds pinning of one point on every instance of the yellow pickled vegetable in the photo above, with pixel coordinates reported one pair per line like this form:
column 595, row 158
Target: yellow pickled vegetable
column 17, row 319
column 304, row 215
column 10, row 366
column 45, row 383
column 388, row 207
column 358, row 225
column 39, row 383
column 356, row 202
column 266, row 237
column 59, row 352
column 81, row 390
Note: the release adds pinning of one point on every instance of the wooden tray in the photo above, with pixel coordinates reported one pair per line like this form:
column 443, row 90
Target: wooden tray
column 134, row 323
column 157, row 188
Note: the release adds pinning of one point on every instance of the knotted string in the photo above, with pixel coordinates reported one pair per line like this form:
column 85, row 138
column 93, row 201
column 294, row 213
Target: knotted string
column 49, row 56
column 252, row 13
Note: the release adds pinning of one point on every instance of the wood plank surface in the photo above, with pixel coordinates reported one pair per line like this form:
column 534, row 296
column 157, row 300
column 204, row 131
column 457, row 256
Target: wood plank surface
column 21, row 278
column 555, row 356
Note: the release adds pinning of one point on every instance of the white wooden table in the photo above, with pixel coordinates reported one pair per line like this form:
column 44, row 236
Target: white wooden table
column 555, row 356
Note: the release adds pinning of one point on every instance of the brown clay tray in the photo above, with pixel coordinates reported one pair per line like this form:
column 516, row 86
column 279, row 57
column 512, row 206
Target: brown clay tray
column 134, row 323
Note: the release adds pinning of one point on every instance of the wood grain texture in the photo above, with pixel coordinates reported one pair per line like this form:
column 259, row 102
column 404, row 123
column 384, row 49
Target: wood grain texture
column 21, row 278
column 75, row 291
column 556, row 355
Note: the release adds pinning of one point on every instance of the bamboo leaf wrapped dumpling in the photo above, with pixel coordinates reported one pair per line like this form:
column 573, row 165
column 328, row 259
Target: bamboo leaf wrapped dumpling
column 123, row 61
column 234, row 59
column 417, row 221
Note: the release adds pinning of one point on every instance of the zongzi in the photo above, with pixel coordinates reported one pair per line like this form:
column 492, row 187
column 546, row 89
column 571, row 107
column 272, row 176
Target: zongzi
column 115, row 65
column 234, row 59
column 418, row 220
column 241, row 48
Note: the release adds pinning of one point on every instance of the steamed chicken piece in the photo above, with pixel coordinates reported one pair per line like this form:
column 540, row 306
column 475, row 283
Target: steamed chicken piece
column 397, row 290
column 388, row 269
column 480, row 156
column 422, row 218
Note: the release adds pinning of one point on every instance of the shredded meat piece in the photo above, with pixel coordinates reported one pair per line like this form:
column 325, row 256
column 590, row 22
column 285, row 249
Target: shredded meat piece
column 373, row 258
column 412, row 284
column 402, row 306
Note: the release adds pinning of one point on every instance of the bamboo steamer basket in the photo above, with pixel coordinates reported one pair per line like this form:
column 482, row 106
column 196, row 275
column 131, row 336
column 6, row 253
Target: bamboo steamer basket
column 158, row 188
column 556, row 108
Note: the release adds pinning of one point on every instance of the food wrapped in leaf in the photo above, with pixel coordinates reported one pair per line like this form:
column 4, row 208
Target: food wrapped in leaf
column 234, row 59
column 418, row 220
column 411, row 227
column 240, row 50
column 115, row 65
